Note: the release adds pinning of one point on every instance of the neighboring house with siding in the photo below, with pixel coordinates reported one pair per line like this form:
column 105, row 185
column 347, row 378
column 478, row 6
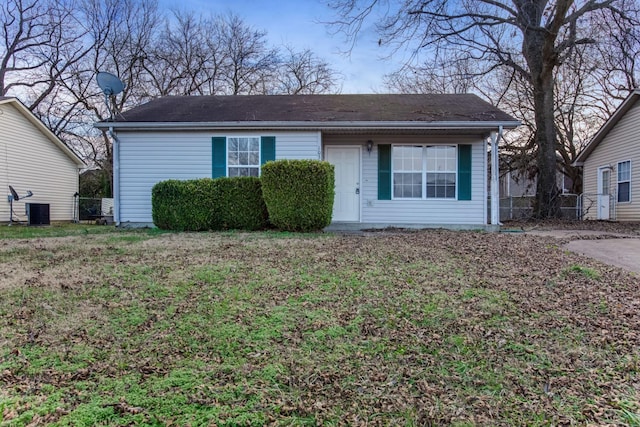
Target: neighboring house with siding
column 611, row 166
column 402, row 160
column 33, row 158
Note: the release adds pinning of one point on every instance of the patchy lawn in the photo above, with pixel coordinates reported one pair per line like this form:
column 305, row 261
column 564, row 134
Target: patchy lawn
column 407, row 328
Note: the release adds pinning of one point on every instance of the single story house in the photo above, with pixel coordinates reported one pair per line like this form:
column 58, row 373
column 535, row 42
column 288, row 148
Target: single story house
column 400, row 160
column 33, row 159
column 610, row 162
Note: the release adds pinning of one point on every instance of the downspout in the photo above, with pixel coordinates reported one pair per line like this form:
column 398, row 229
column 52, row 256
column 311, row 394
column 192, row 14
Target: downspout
column 495, row 178
column 116, row 176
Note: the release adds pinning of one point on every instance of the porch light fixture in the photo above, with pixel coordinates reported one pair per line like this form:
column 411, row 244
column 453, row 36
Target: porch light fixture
column 369, row 146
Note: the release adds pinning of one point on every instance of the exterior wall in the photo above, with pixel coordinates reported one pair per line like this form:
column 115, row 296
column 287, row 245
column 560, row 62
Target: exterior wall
column 622, row 143
column 147, row 158
column 414, row 212
column 31, row 161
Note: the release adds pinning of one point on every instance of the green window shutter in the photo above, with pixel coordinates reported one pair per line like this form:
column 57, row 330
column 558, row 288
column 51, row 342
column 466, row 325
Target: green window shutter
column 384, row 172
column 267, row 149
column 464, row 172
column 218, row 156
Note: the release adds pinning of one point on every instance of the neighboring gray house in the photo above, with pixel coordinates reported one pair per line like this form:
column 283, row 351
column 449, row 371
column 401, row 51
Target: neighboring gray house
column 34, row 159
column 402, row 160
column 610, row 162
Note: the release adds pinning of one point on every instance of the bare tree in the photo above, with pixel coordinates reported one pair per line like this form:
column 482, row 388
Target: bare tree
column 41, row 42
column 302, row 72
column 532, row 38
column 185, row 58
column 52, row 50
column 250, row 63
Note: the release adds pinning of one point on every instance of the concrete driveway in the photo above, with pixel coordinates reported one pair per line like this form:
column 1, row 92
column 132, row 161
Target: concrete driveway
column 623, row 253
column 620, row 250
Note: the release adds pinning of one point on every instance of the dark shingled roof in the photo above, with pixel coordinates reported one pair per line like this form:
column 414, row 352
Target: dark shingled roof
column 316, row 109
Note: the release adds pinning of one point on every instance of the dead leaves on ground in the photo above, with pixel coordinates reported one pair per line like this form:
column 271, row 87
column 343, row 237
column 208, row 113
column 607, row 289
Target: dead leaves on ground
column 429, row 327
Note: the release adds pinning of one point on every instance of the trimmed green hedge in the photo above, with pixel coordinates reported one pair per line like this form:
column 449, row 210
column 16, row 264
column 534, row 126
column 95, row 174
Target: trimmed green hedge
column 240, row 205
column 298, row 193
column 209, row 204
column 183, row 205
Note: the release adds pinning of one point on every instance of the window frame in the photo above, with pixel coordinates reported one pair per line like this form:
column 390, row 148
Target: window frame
column 425, row 171
column 623, row 181
column 257, row 166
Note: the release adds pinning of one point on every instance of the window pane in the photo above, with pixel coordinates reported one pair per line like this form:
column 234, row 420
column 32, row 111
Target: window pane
column 233, row 144
column 407, row 185
column 254, row 158
column 450, row 192
column 623, row 192
column 243, row 158
column 233, row 158
column 243, row 144
column 233, row 172
column 624, row 169
column 254, row 172
column 441, row 185
column 407, row 158
column 417, row 164
column 254, row 144
column 431, row 163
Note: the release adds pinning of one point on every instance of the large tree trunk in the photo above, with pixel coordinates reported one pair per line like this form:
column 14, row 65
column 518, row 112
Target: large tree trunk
column 538, row 47
column 547, row 203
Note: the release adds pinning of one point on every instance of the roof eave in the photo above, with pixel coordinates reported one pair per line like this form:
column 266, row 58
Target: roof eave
column 45, row 130
column 307, row 125
column 606, row 127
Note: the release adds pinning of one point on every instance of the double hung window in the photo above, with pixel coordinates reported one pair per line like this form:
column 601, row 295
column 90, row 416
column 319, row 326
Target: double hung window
column 243, row 156
column 424, row 171
column 624, row 181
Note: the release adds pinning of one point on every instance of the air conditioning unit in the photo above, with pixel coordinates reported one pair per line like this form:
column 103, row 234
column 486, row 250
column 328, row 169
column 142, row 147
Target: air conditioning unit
column 38, row 213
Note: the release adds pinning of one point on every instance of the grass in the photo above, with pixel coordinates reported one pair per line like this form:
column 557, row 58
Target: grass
column 117, row 327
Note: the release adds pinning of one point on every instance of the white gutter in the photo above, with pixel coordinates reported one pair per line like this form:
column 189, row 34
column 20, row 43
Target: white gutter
column 325, row 125
column 495, row 177
column 116, row 177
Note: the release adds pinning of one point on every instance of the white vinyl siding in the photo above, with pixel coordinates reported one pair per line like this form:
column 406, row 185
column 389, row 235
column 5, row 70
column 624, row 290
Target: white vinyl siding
column 147, row 158
column 423, row 211
column 32, row 161
column 622, row 143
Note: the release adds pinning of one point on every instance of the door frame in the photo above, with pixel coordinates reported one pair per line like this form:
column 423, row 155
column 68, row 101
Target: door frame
column 359, row 150
column 601, row 212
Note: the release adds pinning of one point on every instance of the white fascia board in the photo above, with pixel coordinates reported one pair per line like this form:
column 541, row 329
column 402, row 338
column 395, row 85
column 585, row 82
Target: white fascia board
column 303, row 125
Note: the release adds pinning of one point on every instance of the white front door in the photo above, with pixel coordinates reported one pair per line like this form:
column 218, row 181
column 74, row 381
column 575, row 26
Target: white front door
column 604, row 179
column 346, row 160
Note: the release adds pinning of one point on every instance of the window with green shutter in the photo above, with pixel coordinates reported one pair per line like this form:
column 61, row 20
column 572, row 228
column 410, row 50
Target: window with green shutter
column 384, row 172
column 241, row 155
column 218, row 156
column 424, row 172
column 267, row 149
column 464, row 172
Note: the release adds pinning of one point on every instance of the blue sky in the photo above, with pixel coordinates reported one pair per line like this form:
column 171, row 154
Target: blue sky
column 298, row 23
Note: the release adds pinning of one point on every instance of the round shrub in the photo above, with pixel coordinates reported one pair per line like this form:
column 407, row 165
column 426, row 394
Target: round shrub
column 298, row 194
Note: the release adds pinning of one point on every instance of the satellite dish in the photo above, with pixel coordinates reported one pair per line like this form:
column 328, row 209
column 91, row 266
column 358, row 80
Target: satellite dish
column 12, row 197
column 111, row 85
column 14, row 193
